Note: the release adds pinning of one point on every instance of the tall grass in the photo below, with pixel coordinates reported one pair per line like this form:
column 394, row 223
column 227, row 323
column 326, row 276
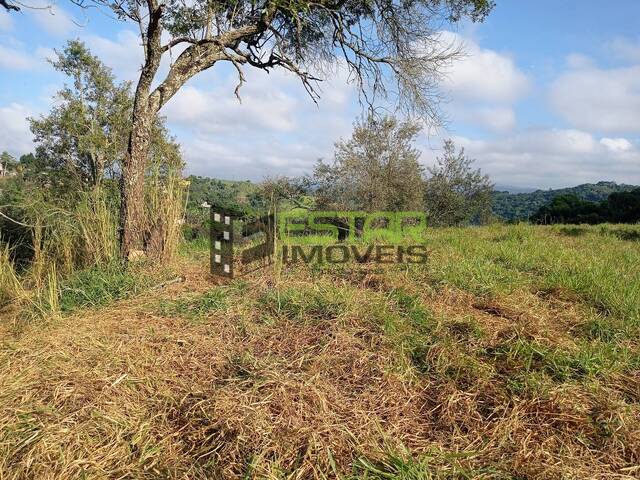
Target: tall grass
column 63, row 240
column 165, row 203
column 82, row 236
column 10, row 286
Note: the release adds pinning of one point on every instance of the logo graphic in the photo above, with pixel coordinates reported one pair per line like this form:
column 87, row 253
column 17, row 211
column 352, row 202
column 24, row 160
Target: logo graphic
column 223, row 240
column 316, row 237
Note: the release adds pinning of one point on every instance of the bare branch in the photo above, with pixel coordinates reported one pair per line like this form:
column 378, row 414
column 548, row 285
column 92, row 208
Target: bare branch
column 9, row 6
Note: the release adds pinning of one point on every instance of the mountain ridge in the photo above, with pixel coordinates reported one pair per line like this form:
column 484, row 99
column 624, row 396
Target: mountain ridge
column 520, row 206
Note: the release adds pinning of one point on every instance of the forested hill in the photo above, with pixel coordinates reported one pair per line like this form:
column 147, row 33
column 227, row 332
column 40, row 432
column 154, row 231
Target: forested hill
column 514, row 206
column 223, row 193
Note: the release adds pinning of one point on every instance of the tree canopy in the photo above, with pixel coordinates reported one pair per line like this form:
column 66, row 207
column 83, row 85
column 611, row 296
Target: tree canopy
column 619, row 207
column 456, row 194
column 390, row 47
column 85, row 133
column 376, row 169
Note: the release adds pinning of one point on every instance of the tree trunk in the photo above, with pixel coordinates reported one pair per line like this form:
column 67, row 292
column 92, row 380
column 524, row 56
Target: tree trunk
column 132, row 215
column 132, row 219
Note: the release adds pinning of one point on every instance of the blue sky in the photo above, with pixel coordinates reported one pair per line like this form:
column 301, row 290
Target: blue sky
column 548, row 95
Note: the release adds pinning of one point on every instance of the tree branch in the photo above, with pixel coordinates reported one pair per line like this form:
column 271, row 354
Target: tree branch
column 9, row 6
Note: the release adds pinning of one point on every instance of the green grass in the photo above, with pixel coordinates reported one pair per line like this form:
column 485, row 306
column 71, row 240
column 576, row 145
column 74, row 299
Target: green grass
column 435, row 466
column 602, row 270
column 195, row 307
column 513, row 353
column 99, row 286
column 322, row 302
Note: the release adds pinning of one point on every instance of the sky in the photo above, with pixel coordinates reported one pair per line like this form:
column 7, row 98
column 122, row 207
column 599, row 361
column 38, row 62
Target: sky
column 546, row 96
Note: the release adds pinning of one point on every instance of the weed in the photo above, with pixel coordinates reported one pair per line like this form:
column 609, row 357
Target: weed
column 196, row 307
column 96, row 287
column 320, row 303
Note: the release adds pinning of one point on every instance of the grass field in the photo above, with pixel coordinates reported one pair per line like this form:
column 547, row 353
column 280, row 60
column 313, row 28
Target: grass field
column 512, row 354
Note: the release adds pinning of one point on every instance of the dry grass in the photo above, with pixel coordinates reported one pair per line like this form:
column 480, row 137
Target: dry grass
column 321, row 373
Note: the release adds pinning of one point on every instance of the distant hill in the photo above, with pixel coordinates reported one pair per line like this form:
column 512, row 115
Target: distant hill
column 513, row 189
column 221, row 192
column 520, row 206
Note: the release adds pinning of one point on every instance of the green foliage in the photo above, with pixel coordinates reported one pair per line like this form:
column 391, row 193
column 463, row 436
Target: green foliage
column 99, row 286
column 84, row 136
column 437, row 465
column 226, row 194
column 455, row 194
column 620, row 207
column 235, row 197
column 411, row 308
column 623, row 207
column 377, row 169
column 8, row 164
column 321, row 303
column 521, row 206
column 283, row 193
column 569, row 209
column 60, row 209
column 628, row 234
column 521, row 355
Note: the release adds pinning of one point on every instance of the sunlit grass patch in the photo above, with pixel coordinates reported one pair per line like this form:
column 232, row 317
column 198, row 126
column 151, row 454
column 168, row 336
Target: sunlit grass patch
column 195, row 247
column 573, row 231
column 521, row 356
column 322, row 302
column 196, row 307
column 437, row 465
column 625, row 233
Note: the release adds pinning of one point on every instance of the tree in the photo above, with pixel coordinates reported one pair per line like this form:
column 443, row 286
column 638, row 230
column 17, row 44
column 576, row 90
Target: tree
column 84, row 135
column 382, row 43
column 569, row 208
column 7, row 163
column 624, row 207
column 619, row 207
column 376, row 169
column 82, row 142
column 455, row 194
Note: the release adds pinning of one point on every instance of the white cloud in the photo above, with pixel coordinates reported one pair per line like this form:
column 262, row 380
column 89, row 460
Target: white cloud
column 264, row 156
column 577, row 60
column 54, row 20
column 625, row 49
column 12, row 59
column 15, row 135
column 6, row 22
column 617, row 144
column 123, row 54
column 277, row 129
column 482, row 86
column 494, row 118
column 551, row 158
column 483, row 75
column 599, row 100
column 219, row 110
